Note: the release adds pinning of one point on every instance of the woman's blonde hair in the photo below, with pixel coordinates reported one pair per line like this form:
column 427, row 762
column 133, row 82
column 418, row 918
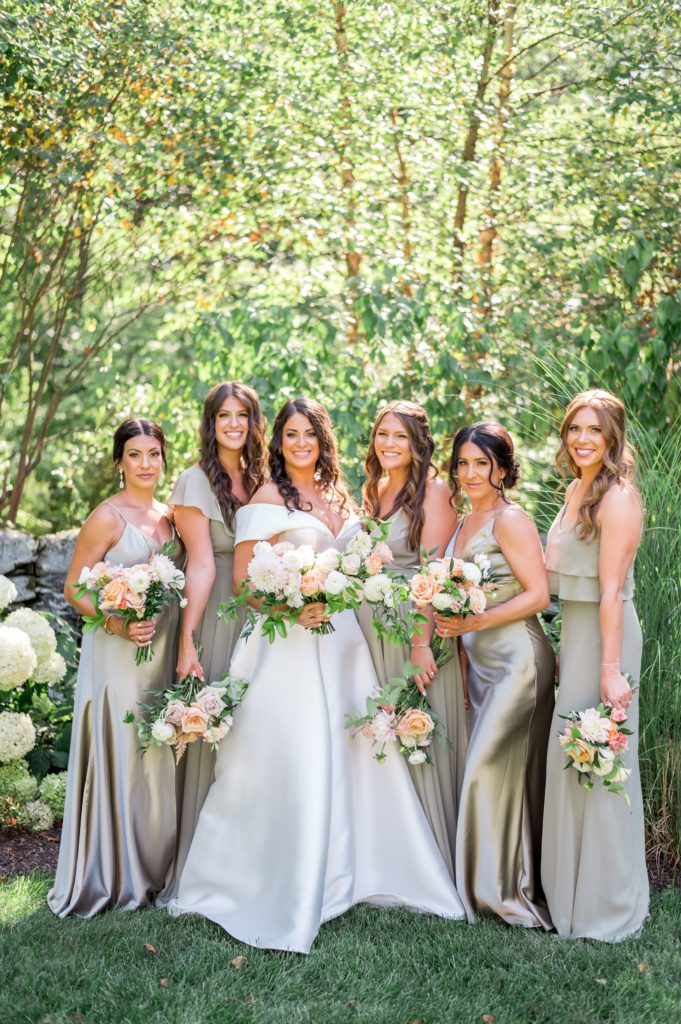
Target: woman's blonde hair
column 619, row 461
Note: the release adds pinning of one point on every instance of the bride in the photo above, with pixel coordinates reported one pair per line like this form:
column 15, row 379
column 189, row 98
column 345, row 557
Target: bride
column 301, row 822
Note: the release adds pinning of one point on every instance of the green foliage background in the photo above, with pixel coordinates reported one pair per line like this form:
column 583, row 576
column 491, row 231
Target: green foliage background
column 474, row 205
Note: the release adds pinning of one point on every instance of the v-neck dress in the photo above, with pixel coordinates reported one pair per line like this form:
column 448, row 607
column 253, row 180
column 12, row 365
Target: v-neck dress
column 118, row 836
column 593, row 851
column 510, row 685
column 439, row 784
column 301, row 821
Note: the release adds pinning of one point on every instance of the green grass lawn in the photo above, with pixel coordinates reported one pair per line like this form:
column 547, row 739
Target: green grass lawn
column 367, row 967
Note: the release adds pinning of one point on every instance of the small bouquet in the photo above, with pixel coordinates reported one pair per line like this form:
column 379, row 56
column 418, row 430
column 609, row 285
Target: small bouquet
column 134, row 593
column 284, row 578
column 594, row 741
column 453, row 587
column 188, row 712
column 397, row 713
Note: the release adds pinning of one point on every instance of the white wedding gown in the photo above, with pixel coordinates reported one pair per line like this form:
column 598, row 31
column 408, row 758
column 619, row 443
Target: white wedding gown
column 301, row 821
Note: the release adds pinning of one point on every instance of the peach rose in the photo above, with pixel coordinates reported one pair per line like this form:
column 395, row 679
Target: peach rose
column 477, row 599
column 383, row 552
column 373, row 564
column 457, row 567
column 310, row 583
column 195, row 720
column 618, row 742
column 582, row 756
column 115, row 594
column 415, row 726
column 423, row 587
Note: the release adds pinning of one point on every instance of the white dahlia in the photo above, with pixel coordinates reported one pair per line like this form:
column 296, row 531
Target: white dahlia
column 18, row 660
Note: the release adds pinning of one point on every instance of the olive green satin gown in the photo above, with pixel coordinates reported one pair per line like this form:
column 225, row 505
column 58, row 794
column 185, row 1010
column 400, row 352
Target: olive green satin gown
column 118, row 836
column 438, row 785
column 510, row 685
column 217, row 640
column 593, row 857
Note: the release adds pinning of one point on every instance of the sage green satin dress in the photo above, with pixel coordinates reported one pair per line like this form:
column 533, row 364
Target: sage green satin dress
column 438, row 785
column 217, row 639
column 510, row 685
column 593, row 857
column 118, row 837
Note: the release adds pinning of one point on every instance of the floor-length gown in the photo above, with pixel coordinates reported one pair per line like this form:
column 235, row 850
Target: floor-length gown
column 216, row 639
column 593, row 854
column 510, row 686
column 438, row 785
column 118, row 836
column 301, row 822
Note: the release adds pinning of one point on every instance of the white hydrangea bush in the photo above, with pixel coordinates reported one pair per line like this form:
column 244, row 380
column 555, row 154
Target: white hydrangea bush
column 53, row 793
column 17, row 783
column 17, row 735
column 38, row 816
column 8, row 592
column 40, row 633
column 18, row 659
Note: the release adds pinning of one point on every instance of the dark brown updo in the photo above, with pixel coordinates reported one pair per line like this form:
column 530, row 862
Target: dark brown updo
column 136, row 428
column 495, row 441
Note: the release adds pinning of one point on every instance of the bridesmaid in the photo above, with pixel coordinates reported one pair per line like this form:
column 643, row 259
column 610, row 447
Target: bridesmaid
column 118, row 838
column 205, row 499
column 510, row 683
column 403, row 488
column 593, row 860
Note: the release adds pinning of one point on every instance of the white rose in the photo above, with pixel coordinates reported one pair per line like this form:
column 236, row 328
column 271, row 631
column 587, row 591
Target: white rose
column 18, row 660
column 350, row 564
column 417, row 757
column 606, row 756
column 138, row 580
column 307, row 553
column 163, row 732
column 215, row 733
column 442, row 601
column 8, row 592
column 328, row 560
column 482, row 562
column 621, row 775
column 361, row 544
column 335, row 583
column 439, row 569
column 472, row 573
column 293, row 560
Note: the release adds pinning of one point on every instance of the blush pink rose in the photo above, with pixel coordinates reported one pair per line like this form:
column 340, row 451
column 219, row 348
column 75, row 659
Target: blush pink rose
column 194, row 720
column 618, row 715
column 383, row 552
column 311, row 583
column 209, row 699
column 618, row 742
column 174, row 712
column 477, row 599
column 373, row 564
column 423, row 588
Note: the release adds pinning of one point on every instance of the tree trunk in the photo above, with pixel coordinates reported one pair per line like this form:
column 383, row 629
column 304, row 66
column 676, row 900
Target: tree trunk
column 353, row 258
column 491, row 231
column 470, row 143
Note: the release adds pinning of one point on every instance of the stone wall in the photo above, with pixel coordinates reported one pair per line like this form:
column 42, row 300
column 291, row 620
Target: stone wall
column 38, row 567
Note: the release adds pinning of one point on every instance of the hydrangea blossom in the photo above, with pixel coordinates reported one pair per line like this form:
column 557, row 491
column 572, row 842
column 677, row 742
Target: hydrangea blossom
column 8, row 592
column 17, row 735
column 18, row 659
column 39, row 631
column 16, row 782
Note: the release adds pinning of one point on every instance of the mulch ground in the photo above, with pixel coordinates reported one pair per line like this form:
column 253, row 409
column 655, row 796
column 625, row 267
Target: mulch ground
column 21, row 852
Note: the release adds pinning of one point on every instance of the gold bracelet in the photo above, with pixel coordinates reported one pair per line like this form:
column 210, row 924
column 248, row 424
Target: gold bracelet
column 420, row 645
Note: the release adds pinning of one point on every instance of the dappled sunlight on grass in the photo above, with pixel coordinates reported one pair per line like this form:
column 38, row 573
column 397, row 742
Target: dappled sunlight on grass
column 22, row 897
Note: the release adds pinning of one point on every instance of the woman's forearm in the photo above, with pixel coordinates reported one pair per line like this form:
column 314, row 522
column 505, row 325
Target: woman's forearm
column 200, row 580
column 611, row 625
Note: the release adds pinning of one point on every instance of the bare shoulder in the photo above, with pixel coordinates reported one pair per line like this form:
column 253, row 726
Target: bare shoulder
column 102, row 526
column 621, row 502
column 514, row 522
column 268, row 494
column 438, row 494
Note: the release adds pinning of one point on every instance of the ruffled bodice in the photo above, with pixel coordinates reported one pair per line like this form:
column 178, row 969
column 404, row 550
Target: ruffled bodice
column 572, row 565
column 193, row 490
column 264, row 521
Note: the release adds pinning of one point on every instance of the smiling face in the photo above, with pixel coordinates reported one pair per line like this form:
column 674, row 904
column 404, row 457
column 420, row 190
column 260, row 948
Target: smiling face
column 585, row 440
column 299, row 443
column 476, row 473
column 142, row 462
column 391, row 443
column 231, row 425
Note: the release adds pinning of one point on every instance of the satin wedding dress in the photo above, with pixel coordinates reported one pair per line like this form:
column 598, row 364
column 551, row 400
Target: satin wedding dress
column 301, row 822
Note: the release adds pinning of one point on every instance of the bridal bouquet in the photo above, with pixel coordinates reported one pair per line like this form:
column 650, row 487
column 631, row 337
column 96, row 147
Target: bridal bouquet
column 453, row 587
column 397, row 713
column 136, row 592
column 594, row 741
column 188, row 712
column 284, row 578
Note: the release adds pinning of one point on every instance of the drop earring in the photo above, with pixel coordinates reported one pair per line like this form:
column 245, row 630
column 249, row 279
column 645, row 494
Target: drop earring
column 121, row 481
